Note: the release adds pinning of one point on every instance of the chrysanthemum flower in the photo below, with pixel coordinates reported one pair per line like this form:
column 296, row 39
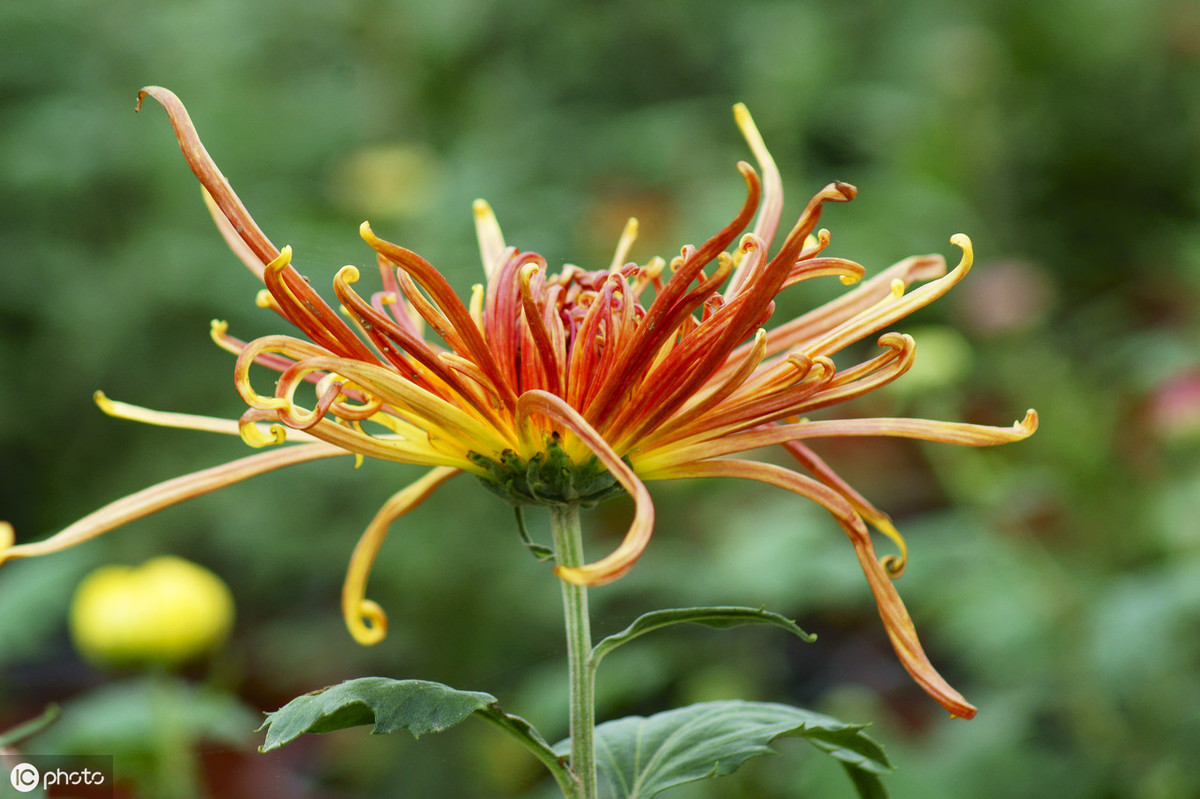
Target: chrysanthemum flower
column 569, row 387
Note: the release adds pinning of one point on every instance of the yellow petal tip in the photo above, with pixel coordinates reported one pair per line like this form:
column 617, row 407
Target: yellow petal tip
column 282, row 260
column 368, row 626
column 105, row 404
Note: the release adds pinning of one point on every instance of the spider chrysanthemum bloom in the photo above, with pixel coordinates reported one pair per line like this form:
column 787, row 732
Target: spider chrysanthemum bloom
column 568, row 387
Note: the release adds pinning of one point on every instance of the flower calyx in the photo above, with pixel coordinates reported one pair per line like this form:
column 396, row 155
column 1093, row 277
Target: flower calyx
column 550, row 477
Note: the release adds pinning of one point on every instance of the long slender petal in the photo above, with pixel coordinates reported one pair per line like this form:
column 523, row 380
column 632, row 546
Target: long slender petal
column 772, row 203
column 971, row 435
column 895, row 616
column 181, row 421
column 491, row 239
column 870, row 514
column 232, row 238
column 796, row 332
column 880, row 316
column 365, row 619
column 168, row 493
column 210, row 176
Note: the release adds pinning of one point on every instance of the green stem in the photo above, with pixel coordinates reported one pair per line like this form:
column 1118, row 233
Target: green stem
column 175, row 769
column 568, row 546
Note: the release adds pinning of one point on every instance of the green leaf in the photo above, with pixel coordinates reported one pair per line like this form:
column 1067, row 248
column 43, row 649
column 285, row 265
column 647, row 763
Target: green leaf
column 721, row 617
column 418, row 706
column 642, row 757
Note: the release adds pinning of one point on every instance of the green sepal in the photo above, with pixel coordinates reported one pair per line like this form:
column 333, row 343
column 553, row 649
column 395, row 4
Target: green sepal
column 542, row 553
column 720, row 617
column 418, row 706
column 642, row 757
column 548, row 478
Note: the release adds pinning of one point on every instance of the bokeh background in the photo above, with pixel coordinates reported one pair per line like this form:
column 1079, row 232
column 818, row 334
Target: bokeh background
column 1056, row 581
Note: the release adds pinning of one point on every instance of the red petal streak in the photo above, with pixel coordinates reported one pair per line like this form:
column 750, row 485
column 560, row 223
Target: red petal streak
column 442, row 294
column 537, row 329
column 701, row 355
column 387, row 276
column 782, row 397
column 427, row 310
column 386, row 335
column 304, row 308
column 669, row 309
column 717, row 395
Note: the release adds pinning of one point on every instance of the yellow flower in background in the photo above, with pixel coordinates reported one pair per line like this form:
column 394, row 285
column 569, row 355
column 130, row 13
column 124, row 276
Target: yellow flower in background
column 569, row 387
column 167, row 611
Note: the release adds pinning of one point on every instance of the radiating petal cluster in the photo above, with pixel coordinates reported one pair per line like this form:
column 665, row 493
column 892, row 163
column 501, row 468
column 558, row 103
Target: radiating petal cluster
column 569, row 386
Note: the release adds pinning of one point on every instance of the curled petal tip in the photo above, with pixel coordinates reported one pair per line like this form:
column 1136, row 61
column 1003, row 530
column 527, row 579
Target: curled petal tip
column 254, row 437
column 1030, row 423
column 369, row 625
column 281, row 261
column 480, row 207
column 965, row 711
column 848, row 190
column 141, row 95
column 158, row 93
column 963, row 242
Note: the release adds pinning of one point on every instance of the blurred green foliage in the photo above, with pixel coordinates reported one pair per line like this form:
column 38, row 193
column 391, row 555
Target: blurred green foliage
column 1056, row 582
